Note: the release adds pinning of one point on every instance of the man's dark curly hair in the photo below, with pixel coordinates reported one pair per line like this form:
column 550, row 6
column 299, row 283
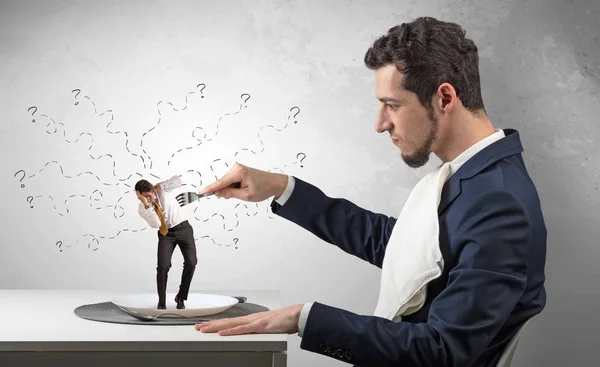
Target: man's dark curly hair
column 430, row 52
column 143, row 186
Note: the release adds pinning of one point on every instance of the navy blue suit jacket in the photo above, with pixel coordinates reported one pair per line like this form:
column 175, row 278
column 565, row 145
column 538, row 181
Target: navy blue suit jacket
column 493, row 240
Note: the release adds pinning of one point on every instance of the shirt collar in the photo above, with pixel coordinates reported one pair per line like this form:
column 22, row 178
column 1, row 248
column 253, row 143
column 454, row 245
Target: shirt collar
column 474, row 149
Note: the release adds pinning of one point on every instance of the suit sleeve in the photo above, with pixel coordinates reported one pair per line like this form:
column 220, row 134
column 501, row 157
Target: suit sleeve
column 338, row 221
column 492, row 247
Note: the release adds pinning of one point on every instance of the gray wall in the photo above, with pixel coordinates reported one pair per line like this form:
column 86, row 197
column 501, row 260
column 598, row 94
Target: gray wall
column 540, row 75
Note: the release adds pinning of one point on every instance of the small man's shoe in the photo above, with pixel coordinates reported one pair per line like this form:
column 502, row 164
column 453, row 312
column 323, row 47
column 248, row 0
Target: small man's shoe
column 161, row 306
column 179, row 301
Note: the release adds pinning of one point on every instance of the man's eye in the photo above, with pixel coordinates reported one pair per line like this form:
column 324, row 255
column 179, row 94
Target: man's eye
column 392, row 106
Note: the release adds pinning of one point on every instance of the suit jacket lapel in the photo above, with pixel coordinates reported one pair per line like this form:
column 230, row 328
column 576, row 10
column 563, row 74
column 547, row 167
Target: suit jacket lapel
column 509, row 145
column 450, row 191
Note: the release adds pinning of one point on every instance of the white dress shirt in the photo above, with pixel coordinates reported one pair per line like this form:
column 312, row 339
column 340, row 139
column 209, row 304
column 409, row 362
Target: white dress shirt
column 169, row 205
column 454, row 166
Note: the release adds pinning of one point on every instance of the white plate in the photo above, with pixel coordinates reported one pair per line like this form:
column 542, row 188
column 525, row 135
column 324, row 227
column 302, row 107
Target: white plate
column 197, row 304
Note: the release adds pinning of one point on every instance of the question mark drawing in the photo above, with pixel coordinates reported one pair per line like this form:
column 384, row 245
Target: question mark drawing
column 78, row 91
column 33, row 113
column 235, row 241
column 59, row 244
column 21, row 180
column 29, row 200
column 245, row 100
column 301, row 159
column 203, row 86
column 296, row 114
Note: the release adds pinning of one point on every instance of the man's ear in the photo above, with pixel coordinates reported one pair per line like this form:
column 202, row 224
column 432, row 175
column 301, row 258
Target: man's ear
column 446, row 96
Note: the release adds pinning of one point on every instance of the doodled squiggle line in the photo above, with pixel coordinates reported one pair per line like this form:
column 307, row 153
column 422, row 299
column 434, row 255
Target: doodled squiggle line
column 225, row 115
column 48, row 125
column 117, row 202
column 115, row 206
column 121, row 231
column 260, row 140
column 246, row 206
column 200, row 174
column 193, row 185
column 89, row 148
column 84, row 173
column 222, row 217
column 213, row 171
column 160, row 119
column 215, row 242
column 78, row 137
column 47, row 117
column 205, row 135
column 179, row 151
column 52, row 199
column 92, row 144
column 114, row 165
column 53, row 122
column 66, row 202
column 112, row 117
column 280, row 169
column 95, row 238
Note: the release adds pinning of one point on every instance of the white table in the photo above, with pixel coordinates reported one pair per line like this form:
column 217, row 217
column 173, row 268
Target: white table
column 56, row 336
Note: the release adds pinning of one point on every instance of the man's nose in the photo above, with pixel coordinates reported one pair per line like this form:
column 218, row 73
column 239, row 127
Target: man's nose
column 382, row 124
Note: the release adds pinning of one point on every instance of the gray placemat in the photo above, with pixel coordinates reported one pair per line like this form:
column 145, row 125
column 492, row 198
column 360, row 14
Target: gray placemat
column 109, row 312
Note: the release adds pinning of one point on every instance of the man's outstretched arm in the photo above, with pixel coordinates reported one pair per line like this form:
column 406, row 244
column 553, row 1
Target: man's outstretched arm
column 355, row 230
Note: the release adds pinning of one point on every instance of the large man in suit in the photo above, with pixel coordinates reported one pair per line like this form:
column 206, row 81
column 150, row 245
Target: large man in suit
column 491, row 230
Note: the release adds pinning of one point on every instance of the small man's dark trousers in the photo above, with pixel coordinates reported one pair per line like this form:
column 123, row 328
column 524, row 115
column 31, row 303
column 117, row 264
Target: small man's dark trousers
column 182, row 235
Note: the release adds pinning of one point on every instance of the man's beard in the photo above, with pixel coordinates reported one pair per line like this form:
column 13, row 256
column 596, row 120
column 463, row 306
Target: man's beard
column 421, row 156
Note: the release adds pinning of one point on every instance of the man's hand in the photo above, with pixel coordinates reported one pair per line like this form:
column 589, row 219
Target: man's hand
column 254, row 185
column 279, row 321
column 142, row 198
